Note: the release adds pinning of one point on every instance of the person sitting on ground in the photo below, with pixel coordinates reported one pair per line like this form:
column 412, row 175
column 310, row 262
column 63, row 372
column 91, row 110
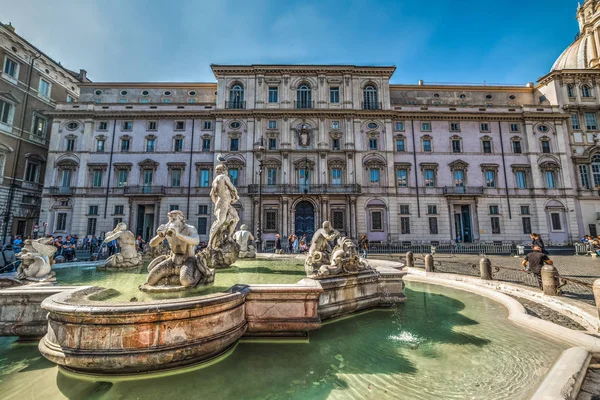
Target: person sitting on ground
column 536, row 260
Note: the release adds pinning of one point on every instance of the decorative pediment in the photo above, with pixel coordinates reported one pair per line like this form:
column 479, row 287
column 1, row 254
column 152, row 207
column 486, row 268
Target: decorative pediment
column 549, row 166
column 458, row 164
column 489, row 167
column 336, row 163
column 235, row 135
column 125, row 166
column 67, row 164
column 272, row 162
column 148, row 164
column 32, row 157
column 71, row 137
column 96, row 166
column 454, row 137
column 10, row 97
column 176, row 165
column 374, row 160
column 179, row 136
column 206, row 136
column 204, row 165
column 304, row 163
column 429, row 166
column 272, row 134
column 400, row 136
column 426, row 137
column 150, row 137
column 126, row 137
column 402, row 165
column 234, row 162
column 372, row 134
column 101, row 137
column 520, row 167
column 486, row 137
column 4, row 148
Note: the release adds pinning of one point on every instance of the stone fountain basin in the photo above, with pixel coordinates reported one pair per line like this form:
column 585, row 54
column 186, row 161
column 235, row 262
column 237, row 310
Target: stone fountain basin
column 88, row 335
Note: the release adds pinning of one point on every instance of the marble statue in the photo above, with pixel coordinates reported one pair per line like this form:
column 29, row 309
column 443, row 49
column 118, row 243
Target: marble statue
column 304, row 136
column 222, row 250
column 181, row 268
column 36, row 260
column 242, row 237
column 323, row 261
column 128, row 257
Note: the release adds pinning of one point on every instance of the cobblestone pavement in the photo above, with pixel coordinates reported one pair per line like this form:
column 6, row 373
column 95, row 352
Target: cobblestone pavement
column 581, row 268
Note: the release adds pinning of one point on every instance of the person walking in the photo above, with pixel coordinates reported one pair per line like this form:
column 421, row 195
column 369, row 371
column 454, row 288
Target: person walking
column 295, row 244
column 277, row 244
column 536, row 260
column 536, row 240
column 290, row 247
column 364, row 246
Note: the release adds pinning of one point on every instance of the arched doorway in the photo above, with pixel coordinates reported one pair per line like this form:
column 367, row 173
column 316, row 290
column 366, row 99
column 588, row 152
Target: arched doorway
column 305, row 220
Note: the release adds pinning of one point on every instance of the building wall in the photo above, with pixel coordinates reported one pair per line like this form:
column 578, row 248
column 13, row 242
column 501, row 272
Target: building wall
column 356, row 203
column 23, row 145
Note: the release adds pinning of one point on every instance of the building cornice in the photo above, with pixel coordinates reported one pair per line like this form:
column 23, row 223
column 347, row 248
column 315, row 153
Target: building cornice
column 150, row 85
column 308, row 69
column 328, row 114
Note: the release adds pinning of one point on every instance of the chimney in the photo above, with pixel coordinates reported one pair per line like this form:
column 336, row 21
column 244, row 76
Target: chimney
column 10, row 27
column 82, row 75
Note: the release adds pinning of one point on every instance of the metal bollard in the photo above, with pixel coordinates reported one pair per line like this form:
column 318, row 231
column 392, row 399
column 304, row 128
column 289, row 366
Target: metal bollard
column 410, row 259
column 550, row 282
column 596, row 289
column 485, row 269
column 429, row 263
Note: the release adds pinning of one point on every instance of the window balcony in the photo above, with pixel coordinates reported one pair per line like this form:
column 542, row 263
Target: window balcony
column 61, row 191
column 371, row 105
column 144, row 191
column 304, row 104
column 238, row 104
column 305, row 188
column 463, row 191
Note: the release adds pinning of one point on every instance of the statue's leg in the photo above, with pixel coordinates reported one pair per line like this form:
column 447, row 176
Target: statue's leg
column 156, row 261
column 235, row 218
column 164, row 269
column 189, row 274
column 221, row 214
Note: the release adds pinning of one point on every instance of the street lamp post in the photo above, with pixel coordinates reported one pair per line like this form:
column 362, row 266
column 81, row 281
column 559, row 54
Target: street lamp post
column 259, row 156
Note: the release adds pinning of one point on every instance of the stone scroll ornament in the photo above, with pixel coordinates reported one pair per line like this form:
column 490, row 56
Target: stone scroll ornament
column 222, row 249
column 242, row 238
column 181, row 269
column 36, row 261
column 128, row 257
column 323, row 261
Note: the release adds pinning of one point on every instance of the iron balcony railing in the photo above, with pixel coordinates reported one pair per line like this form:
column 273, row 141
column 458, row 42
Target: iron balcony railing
column 371, row 105
column 237, row 104
column 304, row 104
column 59, row 190
column 144, row 190
column 463, row 190
column 301, row 189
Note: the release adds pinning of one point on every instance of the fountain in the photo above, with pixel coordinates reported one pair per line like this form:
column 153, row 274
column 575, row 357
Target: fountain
column 243, row 238
column 127, row 257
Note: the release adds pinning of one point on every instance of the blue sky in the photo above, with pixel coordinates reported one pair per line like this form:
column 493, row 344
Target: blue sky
column 458, row 41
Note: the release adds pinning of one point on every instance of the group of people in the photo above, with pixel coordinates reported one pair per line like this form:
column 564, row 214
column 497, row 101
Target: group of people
column 295, row 244
column 592, row 244
column 299, row 245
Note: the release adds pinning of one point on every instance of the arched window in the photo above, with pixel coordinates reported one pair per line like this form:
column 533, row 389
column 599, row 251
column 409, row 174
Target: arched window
column 570, row 91
column 304, row 96
column 586, row 91
column 596, row 169
column 370, row 98
column 236, row 96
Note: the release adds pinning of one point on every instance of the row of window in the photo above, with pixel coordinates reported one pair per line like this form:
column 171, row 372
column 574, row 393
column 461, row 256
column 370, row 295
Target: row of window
column 456, row 145
column 585, row 90
column 39, row 123
column 591, row 123
column 11, row 70
column 459, row 178
column 304, row 96
column 455, row 127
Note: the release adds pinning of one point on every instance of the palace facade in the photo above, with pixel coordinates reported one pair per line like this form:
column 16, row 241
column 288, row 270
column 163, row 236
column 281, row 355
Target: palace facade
column 396, row 163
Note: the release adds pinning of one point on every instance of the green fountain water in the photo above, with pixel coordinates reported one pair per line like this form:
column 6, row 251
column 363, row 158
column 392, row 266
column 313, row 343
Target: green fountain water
column 281, row 270
column 441, row 344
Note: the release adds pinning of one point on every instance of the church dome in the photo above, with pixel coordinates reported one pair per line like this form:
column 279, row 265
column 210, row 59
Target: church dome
column 576, row 56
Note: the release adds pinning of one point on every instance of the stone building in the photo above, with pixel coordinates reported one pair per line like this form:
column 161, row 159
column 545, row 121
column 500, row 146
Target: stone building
column 397, row 163
column 30, row 84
